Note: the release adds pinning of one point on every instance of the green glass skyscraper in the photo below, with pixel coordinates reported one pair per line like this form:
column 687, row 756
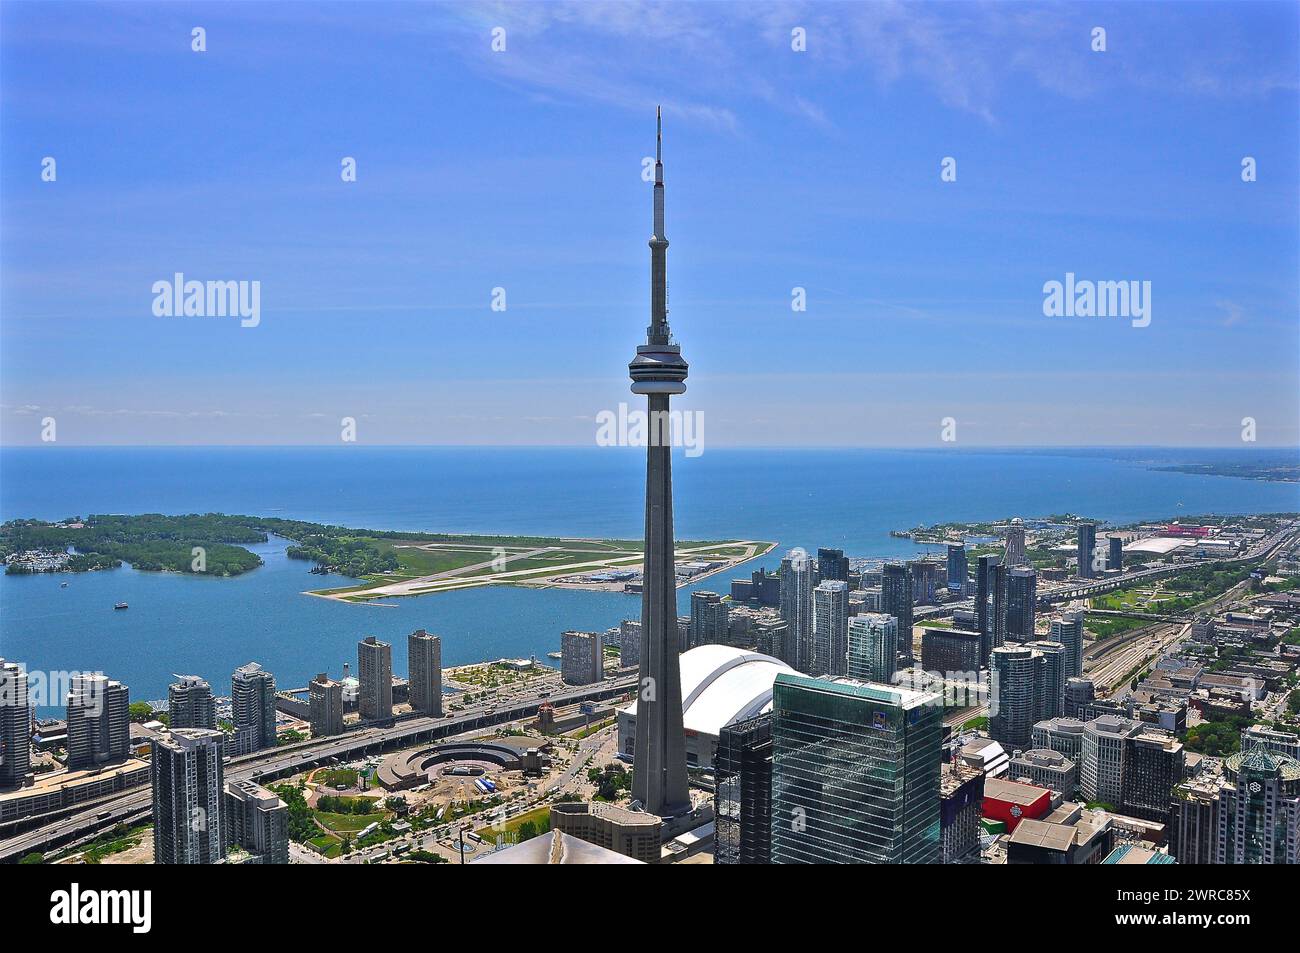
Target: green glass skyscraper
column 855, row 772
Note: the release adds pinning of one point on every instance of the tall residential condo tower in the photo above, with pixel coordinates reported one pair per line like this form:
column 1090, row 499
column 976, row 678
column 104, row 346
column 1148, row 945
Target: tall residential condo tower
column 957, row 568
column 1086, row 548
column 797, row 572
column 325, row 700
column 831, row 628
column 252, row 702
column 99, row 721
column 424, row 661
column 255, row 821
column 187, row 788
column 873, row 647
column 1013, row 553
column 896, row 600
column 1022, row 597
column 15, row 725
column 374, row 679
column 658, row 371
column 1068, row 630
column 985, row 580
column 190, row 703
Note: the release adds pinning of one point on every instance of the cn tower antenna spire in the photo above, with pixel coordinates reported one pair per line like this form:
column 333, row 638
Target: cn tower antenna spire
column 658, row 332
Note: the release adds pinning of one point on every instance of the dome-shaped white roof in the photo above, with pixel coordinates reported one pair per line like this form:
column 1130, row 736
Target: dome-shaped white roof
column 722, row 684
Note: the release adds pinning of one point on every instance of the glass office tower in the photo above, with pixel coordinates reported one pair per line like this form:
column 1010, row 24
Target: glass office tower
column 743, row 792
column 855, row 772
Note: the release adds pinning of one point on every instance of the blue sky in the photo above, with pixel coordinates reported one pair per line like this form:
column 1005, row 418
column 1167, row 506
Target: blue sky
column 521, row 169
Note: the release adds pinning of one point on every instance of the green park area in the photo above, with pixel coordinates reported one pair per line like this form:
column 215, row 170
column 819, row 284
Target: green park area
column 332, row 824
column 1105, row 626
column 495, row 675
column 216, row 544
column 528, row 825
column 1181, row 594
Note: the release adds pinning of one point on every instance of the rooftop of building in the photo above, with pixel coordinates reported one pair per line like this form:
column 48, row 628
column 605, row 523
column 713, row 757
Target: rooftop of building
column 1259, row 758
column 1158, row 739
column 873, row 618
column 190, row 681
column 1032, row 833
column 1013, row 792
column 722, row 684
column 611, row 812
column 1065, row 726
column 48, row 781
column 948, row 630
column 557, row 848
column 954, row 775
column 1266, row 732
column 1012, row 651
column 897, row 695
column 1045, row 758
column 247, row 790
column 1114, row 725
column 1133, row 854
column 985, row 749
column 190, row 737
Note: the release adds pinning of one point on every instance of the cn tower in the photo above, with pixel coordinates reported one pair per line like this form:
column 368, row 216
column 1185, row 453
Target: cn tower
column 659, row 371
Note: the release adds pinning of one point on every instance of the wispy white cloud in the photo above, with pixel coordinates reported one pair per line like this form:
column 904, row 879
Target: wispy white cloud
column 710, row 56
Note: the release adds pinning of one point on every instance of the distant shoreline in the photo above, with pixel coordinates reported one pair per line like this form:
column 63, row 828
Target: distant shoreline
column 1279, row 473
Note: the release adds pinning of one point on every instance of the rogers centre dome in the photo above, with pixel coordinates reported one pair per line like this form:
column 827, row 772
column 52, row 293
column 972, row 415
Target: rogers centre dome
column 721, row 684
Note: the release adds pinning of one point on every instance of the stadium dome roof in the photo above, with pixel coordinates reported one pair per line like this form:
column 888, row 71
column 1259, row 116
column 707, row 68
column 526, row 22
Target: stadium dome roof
column 722, row 684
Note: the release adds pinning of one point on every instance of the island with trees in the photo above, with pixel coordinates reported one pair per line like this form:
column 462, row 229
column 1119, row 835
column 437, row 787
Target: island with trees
column 390, row 562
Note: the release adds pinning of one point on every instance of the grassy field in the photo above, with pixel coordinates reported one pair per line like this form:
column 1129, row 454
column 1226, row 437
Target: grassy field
column 348, row 823
column 326, row 845
column 539, row 816
column 525, row 560
column 1103, row 627
column 120, row 838
column 493, row 675
column 334, row 777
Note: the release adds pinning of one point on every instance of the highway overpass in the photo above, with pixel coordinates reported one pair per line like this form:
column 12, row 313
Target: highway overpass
column 42, row 833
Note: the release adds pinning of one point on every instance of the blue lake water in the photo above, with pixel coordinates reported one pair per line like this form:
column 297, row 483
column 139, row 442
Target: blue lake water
column 188, row 624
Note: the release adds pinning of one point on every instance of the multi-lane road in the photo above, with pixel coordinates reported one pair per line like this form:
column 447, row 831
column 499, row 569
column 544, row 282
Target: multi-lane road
column 263, row 766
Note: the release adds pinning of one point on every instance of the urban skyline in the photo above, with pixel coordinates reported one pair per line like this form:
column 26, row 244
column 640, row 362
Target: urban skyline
column 944, row 676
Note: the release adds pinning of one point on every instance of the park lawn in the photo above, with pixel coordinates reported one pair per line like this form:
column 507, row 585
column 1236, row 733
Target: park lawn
column 1103, row 627
column 327, row 845
column 348, row 823
column 1123, row 599
column 537, row 816
column 332, row 777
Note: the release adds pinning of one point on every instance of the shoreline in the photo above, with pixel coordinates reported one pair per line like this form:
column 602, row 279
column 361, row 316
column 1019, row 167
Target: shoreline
column 535, row 578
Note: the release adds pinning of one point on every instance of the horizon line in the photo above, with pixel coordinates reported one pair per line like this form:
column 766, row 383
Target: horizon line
column 593, row 446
